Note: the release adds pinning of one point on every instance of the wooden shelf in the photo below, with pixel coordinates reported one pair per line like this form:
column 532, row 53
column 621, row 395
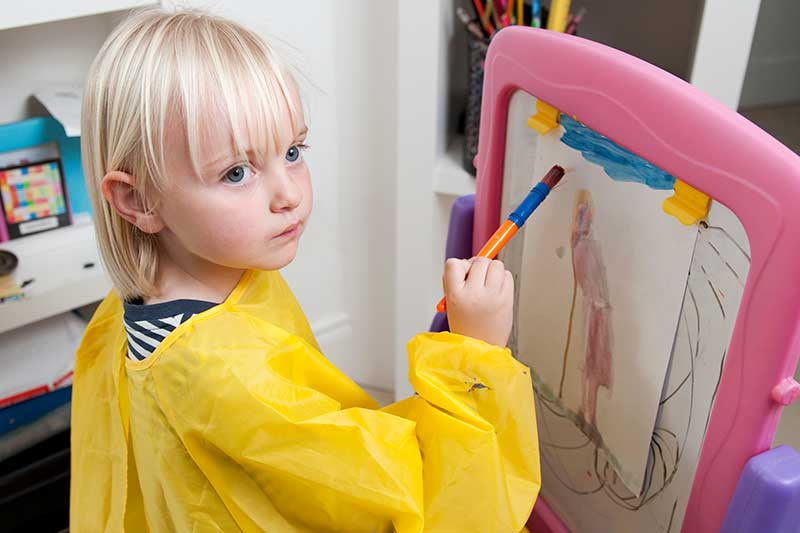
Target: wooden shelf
column 450, row 178
column 40, row 11
column 64, row 266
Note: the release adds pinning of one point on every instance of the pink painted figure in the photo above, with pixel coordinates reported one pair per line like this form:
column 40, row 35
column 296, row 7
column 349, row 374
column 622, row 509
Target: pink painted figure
column 590, row 276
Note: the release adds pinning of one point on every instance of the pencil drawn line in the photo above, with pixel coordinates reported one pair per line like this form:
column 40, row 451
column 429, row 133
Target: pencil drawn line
column 728, row 235
column 719, row 302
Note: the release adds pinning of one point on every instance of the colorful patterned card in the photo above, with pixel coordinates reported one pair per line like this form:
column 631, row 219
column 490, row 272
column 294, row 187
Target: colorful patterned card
column 32, row 197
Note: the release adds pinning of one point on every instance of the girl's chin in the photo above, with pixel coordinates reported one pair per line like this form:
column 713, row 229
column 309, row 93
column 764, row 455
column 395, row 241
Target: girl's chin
column 281, row 259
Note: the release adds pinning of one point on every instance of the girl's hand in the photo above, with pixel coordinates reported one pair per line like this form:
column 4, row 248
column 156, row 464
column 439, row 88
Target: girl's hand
column 480, row 299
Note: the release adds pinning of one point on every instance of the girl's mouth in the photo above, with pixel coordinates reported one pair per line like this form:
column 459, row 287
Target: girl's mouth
column 290, row 232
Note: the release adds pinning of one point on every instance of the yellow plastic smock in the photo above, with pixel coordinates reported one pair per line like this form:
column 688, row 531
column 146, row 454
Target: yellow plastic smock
column 237, row 422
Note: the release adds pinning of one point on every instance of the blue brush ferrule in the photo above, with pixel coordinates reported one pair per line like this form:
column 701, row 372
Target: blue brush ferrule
column 529, row 204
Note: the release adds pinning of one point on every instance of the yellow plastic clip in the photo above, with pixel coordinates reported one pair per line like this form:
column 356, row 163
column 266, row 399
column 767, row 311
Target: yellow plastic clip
column 687, row 204
column 545, row 119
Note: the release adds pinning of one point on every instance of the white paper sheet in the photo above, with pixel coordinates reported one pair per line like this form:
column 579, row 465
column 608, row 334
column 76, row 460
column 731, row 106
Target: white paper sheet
column 603, row 276
column 63, row 101
column 577, row 482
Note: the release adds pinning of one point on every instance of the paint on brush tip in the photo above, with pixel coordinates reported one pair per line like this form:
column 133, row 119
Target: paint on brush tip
column 553, row 176
column 619, row 163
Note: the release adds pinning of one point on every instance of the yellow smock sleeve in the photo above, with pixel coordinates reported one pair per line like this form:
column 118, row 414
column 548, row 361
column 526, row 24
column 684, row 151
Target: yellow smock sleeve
column 476, row 428
column 290, row 444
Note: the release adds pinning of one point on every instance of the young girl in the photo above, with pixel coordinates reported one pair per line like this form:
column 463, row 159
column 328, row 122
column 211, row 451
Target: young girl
column 201, row 401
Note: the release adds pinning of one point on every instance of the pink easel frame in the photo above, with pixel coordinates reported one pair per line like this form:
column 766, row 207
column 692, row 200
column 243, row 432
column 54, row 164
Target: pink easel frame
column 676, row 127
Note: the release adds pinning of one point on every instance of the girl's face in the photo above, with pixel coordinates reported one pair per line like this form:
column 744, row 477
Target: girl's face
column 240, row 212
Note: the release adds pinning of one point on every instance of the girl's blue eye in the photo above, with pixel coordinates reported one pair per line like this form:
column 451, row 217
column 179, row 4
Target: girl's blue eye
column 238, row 174
column 293, row 153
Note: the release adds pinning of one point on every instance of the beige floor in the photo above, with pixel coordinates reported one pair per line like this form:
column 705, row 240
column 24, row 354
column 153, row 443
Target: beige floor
column 783, row 123
column 789, row 426
column 383, row 397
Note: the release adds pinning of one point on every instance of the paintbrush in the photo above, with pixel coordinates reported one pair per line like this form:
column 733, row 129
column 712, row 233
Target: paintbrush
column 517, row 218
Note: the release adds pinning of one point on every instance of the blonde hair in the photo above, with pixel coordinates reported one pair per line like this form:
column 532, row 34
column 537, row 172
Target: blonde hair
column 161, row 68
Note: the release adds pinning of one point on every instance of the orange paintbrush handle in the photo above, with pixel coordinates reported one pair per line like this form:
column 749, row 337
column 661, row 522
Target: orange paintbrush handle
column 498, row 240
column 490, row 250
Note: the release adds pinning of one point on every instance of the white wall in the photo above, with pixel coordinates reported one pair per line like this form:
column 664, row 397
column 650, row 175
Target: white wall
column 421, row 137
column 366, row 82
column 773, row 73
column 343, row 273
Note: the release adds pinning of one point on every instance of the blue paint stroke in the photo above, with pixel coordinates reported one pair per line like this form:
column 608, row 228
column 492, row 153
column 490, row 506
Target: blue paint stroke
column 619, row 163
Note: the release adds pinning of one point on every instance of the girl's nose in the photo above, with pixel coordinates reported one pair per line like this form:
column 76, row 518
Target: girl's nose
column 285, row 195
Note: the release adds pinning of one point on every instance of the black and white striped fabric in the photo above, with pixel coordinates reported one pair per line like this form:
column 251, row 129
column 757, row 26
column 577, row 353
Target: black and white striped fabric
column 148, row 325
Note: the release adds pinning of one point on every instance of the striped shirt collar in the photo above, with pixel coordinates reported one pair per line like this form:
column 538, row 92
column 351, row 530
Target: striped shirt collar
column 146, row 326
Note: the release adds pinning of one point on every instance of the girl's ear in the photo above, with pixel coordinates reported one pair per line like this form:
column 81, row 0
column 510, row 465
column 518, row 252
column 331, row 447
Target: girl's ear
column 120, row 193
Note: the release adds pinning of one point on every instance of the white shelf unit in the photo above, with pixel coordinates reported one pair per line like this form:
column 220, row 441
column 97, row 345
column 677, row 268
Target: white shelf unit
column 62, row 270
column 42, row 11
column 450, row 178
column 43, row 41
